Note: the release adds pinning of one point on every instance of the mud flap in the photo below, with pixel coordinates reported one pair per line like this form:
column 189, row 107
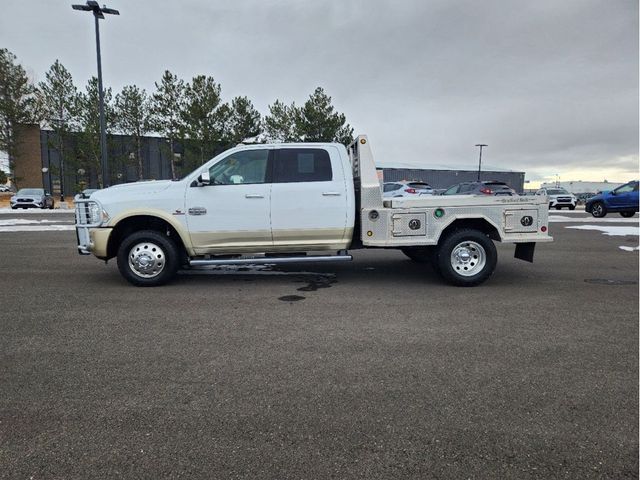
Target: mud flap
column 524, row 251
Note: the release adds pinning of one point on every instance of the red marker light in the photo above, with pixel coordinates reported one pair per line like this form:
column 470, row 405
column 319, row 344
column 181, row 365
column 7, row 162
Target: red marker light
column 486, row 191
column 543, row 229
column 410, row 190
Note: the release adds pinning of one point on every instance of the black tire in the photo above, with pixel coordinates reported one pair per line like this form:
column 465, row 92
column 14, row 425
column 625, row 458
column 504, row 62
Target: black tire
column 598, row 210
column 14, row 208
column 558, row 207
column 155, row 252
column 477, row 246
column 419, row 254
column 572, row 207
column 627, row 214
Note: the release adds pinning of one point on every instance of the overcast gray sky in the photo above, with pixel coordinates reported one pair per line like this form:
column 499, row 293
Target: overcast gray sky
column 551, row 86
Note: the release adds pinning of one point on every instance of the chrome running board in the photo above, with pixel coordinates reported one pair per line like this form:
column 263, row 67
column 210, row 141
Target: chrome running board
column 271, row 260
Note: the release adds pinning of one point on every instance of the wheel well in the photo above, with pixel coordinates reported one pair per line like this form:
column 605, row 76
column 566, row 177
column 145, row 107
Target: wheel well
column 475, row 223
column 141, row 222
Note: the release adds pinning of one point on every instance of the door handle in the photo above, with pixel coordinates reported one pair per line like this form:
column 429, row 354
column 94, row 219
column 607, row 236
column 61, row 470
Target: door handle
column 253, row 195
column 331, row 194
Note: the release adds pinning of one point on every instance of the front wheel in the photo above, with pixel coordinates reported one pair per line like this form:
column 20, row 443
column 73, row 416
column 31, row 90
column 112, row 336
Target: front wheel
column 598, row 210
column 466, row 258
column 572, row 207
column 148, row 258
column 627, row 214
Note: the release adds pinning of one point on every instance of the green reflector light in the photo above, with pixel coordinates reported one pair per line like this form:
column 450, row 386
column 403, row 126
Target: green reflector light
column 439, row 213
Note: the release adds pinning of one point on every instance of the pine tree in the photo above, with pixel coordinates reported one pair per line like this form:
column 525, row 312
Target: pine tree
column 133, row 117
column 280, row 125
column 167, row 103
column 89, row 120
column 18, row 104
column 59, row 101
column 244, row 120
column 316, row 121
column 203, row 120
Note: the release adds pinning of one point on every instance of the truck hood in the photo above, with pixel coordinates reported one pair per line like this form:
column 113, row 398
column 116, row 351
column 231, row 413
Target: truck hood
column 132, row 189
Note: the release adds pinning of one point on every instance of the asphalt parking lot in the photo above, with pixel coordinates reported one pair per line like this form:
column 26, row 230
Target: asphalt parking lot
column 370, row 369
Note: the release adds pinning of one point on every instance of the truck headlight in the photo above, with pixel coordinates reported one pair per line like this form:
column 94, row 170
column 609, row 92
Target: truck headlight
column 96, row 214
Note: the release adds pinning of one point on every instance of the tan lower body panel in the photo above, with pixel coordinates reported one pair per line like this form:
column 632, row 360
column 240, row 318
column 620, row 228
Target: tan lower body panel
column 99, row 239
column 284, row 241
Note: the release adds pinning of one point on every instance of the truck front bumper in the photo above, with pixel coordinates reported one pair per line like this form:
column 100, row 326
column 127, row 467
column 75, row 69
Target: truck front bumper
column 93, row 240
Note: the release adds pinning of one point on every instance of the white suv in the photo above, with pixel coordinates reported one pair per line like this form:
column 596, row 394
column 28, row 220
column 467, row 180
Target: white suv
column 559, row 198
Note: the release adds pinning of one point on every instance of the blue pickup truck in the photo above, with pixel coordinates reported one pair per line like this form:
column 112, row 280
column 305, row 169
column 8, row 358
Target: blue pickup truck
column 623, row 200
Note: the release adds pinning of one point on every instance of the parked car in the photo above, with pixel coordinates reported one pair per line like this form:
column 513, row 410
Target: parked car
column 583, row 197
column 5, row 188
column 31, row 198
column 559, row 198
column 406, row 189
column 623, row 200
column 486, row 187
column 86, row 193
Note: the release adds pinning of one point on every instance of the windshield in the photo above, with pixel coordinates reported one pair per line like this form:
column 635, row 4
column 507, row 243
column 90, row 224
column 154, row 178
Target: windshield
column 419, row 185
column 31, row 191
column 557, row 191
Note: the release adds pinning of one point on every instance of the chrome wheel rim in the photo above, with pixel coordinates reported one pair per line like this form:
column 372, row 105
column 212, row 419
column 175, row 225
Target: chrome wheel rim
column 468, row 258
column 147, row 260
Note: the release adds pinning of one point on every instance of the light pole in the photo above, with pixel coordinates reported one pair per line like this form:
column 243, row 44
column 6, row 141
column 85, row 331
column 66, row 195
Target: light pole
column 44, row 172
column 59, row 123
column 98, row 14
column 480, row 160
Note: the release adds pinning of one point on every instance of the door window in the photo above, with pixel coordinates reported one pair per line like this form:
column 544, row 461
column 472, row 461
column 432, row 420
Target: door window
column 451, row 190
column 302, row 165
column 625, row 188
column 243, row 167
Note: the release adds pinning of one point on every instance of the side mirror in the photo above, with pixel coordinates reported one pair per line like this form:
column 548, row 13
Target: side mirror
column 613, row 192
column 204, row 179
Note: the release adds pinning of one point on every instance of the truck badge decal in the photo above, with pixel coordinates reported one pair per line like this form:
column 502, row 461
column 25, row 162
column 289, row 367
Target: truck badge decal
column 178, row 212
column 197, row 211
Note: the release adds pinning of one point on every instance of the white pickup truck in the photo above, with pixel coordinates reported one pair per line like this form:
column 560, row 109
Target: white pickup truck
column 278, row 203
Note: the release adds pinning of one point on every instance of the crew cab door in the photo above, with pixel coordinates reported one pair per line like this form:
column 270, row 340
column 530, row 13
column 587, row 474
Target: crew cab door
column 309, row 198
column 232, row 212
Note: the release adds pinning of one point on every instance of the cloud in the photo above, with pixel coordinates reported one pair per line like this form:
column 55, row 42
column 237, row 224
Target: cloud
column 550, row 86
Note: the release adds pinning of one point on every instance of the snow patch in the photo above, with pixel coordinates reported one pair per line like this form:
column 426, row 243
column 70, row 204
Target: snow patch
column 37, row 228
column 22, row 221
column 563, row 219
column 610, row 230
column 629, row 249
column 36, row 211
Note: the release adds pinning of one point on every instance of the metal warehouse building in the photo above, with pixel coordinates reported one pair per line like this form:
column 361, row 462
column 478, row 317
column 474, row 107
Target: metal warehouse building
column 446, row 178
